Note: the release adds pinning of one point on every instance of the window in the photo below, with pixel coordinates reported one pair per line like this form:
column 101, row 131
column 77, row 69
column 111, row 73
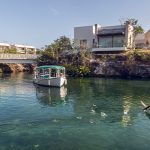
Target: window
column 111, row 41
column 105, row 42
column 118, row 41
column 83, row 44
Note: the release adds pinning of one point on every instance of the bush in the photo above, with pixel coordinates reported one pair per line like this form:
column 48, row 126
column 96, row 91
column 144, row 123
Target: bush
column 138, row 55
column 12, row 51
column 77, row 71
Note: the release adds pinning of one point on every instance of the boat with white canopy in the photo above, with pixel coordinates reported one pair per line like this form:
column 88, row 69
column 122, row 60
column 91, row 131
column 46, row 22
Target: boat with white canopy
column 51, row 75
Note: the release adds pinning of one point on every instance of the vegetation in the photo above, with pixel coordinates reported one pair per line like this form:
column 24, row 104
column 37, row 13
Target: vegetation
column 58, row 47
column 38, row 51
column 139, row 55
column 80, row 63
column 137, row 28
column 12, row 51
column 77, row 64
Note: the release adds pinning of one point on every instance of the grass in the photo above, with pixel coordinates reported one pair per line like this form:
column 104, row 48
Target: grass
column 139, row 55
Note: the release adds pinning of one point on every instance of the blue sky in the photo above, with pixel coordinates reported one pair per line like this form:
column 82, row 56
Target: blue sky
column 40, row 22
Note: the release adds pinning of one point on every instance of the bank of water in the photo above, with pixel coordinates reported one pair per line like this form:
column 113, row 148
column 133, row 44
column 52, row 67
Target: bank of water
column 88, row 114
column 9, row 68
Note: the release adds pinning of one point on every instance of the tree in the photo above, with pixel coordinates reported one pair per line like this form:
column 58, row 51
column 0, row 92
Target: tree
column 54, row 50
column 63, row 43
column 58, row 46
column 137, row 28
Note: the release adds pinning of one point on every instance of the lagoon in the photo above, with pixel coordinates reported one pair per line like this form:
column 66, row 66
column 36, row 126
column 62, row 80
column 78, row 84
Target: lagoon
column 87, row 114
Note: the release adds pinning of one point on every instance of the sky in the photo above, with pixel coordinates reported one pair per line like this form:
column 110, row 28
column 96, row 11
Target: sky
column 40, row 22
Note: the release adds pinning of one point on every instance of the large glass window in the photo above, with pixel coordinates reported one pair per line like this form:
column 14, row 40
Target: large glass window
column 118, row 41
column 111, row 41
column 105, row 42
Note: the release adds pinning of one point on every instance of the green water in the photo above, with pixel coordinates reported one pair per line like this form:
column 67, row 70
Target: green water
column 88, row 114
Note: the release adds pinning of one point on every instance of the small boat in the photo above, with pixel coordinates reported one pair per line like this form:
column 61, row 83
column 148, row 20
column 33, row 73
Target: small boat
column 146, row 108
column 51, row 75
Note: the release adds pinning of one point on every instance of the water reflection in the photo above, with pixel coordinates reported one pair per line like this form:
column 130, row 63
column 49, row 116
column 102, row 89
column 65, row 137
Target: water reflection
column 51, row 96
column 107, row 100
column 126, row 118
column 88, row 114
column 148, row 115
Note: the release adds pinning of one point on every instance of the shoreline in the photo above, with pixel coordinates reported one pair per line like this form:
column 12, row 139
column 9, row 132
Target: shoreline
column 11, row 68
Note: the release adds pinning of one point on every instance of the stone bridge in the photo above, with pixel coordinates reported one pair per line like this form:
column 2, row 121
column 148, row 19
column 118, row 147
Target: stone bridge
column 18, row 58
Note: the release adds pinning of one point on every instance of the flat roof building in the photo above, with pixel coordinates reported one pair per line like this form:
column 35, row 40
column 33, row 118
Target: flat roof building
column 4, row 46
column 143, row 40
column 107, row 38
column 19, row 48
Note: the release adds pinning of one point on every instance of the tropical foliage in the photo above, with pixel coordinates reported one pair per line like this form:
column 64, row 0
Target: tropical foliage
column 77, row 64
column 137, row 28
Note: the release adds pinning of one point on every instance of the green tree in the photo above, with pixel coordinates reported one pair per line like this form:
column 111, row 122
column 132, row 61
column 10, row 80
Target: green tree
column 54, row 50
column 137, row 28
column 63, row 43
column 58, row 46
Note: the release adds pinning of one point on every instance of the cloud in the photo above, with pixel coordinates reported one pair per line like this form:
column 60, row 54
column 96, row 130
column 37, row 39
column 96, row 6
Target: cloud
column 54, row 11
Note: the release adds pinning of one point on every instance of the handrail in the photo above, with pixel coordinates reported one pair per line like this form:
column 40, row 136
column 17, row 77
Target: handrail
column 18, row 56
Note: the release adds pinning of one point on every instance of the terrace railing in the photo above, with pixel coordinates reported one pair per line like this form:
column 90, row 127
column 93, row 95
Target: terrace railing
column 18, row 56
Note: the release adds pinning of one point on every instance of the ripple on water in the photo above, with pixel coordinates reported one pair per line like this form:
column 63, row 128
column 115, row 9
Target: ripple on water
column 93, row 114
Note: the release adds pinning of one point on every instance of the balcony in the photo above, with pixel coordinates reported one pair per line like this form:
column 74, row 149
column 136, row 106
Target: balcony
column 100, row 49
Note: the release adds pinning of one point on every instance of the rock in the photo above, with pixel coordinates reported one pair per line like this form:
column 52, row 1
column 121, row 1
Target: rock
column 122, row 69
column 9, row 68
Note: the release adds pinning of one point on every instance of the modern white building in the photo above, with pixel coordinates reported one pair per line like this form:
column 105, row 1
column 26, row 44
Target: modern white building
column 25, row 48
column 19, row 48
column 99, row 39
column 4, row 46
column 143, row 40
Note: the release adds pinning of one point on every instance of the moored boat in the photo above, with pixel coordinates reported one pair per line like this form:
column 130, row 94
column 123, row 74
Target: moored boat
column 51, row 75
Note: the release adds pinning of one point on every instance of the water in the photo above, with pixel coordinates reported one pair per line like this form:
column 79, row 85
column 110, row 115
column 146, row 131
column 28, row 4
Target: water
column 89, row 114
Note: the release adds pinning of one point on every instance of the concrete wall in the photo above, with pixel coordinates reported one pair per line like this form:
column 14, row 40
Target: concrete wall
column 109, row 49
column 18, row 58
column 17, row 61
column 129, row 36
column 84, row 33
column 147, row 36
column 89, row 33
column 143, row 40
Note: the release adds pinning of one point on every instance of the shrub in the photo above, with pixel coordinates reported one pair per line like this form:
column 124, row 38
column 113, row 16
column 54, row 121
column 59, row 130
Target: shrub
column 77, row 71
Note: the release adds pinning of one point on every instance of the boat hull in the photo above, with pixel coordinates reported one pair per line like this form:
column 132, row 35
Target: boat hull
column 56, row 82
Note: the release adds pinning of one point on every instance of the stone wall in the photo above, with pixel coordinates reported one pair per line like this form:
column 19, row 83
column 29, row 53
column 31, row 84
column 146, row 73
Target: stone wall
column 121, row 69
column 9, row 68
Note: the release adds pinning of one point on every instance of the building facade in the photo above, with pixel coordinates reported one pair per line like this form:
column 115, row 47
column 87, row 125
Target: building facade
column 109, row 38
column 6, row 47
column 143, row 40
column 25, row 48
